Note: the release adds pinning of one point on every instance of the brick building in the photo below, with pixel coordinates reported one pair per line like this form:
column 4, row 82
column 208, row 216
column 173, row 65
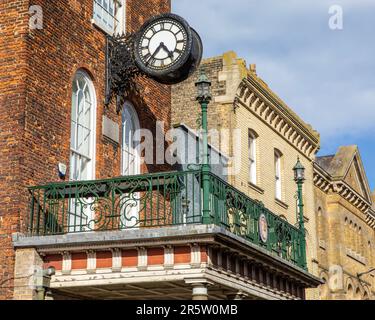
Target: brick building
column 37, row 71
column 115, row 228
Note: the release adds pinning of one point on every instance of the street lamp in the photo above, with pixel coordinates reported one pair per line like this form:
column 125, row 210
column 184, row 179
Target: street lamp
column 204, row 97
column 299, row 178
column 299, row 172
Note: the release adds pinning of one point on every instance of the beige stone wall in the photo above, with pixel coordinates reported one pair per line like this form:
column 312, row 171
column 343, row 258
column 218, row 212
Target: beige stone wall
column 28, row 266
column 346, row 248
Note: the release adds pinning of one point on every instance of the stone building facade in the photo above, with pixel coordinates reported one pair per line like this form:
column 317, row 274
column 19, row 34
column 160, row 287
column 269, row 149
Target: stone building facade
column 346, row 226
column 251, row 118
column 43, row 44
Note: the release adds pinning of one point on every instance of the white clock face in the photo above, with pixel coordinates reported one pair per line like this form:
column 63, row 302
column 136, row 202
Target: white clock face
column 162, row 44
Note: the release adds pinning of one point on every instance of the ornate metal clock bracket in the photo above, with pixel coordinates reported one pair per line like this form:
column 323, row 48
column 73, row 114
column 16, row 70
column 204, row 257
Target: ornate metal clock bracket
column 121, row 70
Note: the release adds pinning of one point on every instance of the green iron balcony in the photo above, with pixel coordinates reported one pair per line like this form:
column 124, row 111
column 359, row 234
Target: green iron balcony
column 159, row 200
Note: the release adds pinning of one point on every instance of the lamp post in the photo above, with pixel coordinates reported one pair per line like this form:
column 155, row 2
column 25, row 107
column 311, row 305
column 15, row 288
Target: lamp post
column 299, row 178
column 204, row 97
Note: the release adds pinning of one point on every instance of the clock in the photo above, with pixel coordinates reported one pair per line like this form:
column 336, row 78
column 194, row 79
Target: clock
column 167, row 49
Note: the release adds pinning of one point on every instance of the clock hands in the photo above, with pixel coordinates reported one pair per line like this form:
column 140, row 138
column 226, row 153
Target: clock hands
column 170, row 54
column 161, row 46
column 154, row 54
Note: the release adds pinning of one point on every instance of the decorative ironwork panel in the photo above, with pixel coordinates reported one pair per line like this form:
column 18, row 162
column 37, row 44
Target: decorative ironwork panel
column 158, row 200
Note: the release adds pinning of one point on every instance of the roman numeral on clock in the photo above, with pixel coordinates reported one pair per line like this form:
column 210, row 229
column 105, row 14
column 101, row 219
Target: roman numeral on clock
column 147, row 56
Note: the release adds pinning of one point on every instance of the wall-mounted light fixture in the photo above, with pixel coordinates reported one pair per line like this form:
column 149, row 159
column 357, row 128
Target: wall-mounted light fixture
column 62, row 168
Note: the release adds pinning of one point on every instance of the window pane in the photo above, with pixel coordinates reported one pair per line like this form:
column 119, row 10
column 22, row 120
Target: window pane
column 81, row 128
column 278, row 185
column 73, row 137
column 74, row 106
column 80, row 103
column 111, row 8
column 104, row 14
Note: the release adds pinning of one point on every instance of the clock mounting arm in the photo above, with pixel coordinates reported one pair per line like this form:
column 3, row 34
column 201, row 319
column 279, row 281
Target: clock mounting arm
column 121, row 70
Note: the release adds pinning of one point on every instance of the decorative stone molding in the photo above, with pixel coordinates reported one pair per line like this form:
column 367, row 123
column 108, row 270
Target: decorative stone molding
column 356, row 256
column 269, row 108
column 91, row 261
column 116, row 259
column 66, row 263
column 325, row 182
column 142, row 258
column 168, row 257
column 195, row 255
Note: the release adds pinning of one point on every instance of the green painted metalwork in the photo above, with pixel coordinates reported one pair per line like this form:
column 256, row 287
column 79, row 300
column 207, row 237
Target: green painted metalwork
column 158, row 200
column 204, row 97
column 302, row 224
column 237, row 213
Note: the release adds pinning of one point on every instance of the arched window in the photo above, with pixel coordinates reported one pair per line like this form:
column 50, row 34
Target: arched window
column 252, row 140
column 82, row 141
column 278, row 176
column 365, row 296
column 130, row 165
column 350, row 292
column 130, row 153
column 82, row 148
column 358, row 295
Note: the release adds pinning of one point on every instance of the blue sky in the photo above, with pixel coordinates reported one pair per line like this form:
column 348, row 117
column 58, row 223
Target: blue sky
column 327, row 76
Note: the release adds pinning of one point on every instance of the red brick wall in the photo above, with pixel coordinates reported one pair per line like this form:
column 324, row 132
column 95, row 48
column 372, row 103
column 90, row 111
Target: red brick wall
column 13, row 26
column 36, row 72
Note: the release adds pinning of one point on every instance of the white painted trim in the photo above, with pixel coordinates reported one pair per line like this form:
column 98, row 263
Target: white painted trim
column 142, row 258
column 91, row 260
column 67, row 262
column 195, row 254
column 116, row 259
column 169, row 256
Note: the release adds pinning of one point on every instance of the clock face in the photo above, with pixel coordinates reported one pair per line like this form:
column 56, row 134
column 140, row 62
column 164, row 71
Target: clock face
column 167, row 49
column 163, row 45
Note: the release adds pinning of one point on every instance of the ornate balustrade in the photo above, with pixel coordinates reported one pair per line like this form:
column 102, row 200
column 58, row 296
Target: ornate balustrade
column 249, row 219
column 158, row 200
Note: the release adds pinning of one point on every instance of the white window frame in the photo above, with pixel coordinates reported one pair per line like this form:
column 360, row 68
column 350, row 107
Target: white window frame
column 92, row 140
column 278, row 175
column 76, row 156
column 101, row 16
column 252, row 150
column 129, row 166
column 130, row 114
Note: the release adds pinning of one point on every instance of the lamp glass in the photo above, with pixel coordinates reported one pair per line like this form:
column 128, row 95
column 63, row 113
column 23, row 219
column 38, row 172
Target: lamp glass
column 299, row 172
column 203, row 87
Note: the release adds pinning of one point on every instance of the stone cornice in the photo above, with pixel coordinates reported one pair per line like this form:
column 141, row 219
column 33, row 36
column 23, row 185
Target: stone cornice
column 370, row 218
column 264, row 104
column 326, row 183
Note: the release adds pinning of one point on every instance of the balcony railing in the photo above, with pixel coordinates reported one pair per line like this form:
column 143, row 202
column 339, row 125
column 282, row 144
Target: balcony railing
column 158, row 200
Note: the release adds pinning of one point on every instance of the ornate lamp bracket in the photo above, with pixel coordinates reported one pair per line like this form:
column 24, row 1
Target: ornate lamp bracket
column 121, row 70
